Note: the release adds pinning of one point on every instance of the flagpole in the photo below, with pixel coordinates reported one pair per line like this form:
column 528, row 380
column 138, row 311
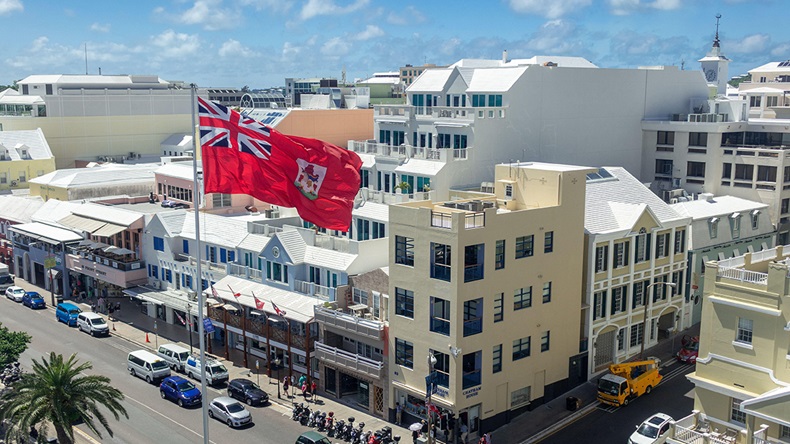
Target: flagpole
column 198, row 271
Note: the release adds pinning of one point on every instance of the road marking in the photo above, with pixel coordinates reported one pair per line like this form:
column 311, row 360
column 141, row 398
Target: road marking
column 86, row 436
column 169, row 419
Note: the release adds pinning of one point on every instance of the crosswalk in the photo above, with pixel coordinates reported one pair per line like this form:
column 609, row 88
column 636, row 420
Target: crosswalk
column 670, row 371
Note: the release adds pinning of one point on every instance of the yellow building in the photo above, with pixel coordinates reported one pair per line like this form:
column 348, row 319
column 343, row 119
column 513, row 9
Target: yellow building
column 486, row 293
column 23, row 155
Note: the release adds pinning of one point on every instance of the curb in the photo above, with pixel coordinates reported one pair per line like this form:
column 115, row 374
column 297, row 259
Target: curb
column 560, row 424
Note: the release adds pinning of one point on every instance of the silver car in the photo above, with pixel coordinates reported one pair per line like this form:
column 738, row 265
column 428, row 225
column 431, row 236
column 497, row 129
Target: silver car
column 230, row 411
column 15, row 293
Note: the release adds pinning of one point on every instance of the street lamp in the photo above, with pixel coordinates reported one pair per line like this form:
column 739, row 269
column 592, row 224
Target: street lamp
column 644, row 321
column 431, row 363
column 189, row 325
column 258, row 371
column 277, row 366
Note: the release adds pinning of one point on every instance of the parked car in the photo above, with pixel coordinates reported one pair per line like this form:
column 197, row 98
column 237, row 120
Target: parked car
column 312, row 437
column 654, row 430
column 229, row 411
column 15, row 293
column 689, row 349
column 173, row 204
column 180, row 390
column 33, row 300
column 6, row 280
column 93, row 324
column 247, row 391
column 175, row 355
column 67, row 313
column 215, row 371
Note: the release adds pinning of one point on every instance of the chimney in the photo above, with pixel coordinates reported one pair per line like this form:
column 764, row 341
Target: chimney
column 504, row 56
column 705, row 196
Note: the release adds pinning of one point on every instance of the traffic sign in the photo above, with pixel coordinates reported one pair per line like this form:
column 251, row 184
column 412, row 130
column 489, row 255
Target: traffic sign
column 50, row 262
column 207, row 325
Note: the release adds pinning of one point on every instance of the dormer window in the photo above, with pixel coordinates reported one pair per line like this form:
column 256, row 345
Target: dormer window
column 713, row 227
column 735, row 225
column 755, row 219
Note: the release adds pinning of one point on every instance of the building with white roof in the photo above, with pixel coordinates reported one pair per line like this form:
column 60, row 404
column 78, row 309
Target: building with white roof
column 110, row 179
column 635, row 244
column 24, row 154
column 85, row 117
column 40, row 254
column 722, row 227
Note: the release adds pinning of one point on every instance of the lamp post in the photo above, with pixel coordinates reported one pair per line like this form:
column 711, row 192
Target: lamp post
column 431, row 363
column 277, row 367
column 258, row 371
column 156, row 335
column 644, row 321
column 189, row 325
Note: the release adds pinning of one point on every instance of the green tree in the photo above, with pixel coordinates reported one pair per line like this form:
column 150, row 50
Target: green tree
column 57, row 393
column 12, row 344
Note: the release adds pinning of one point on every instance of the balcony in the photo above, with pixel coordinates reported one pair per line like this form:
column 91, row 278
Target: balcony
column 123, row 271
column 696, row 428
column 346, row 323
column 349, row 361
column 275, row 331
column 408, row 151
column 220, row 270
column 317, row 291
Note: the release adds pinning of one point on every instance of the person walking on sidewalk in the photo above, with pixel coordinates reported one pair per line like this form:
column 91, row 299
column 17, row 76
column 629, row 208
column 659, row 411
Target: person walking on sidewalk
column 286, row 386
column 314, row 390
column 398, row 413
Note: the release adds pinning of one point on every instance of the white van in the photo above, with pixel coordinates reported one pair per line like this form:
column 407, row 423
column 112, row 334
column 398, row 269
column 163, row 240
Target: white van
column 93, row 323
column 216, row 373
column 175, row 355
column 147, row 365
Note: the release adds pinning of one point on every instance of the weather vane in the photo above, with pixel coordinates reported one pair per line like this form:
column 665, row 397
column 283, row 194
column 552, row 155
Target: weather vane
column 718, row 16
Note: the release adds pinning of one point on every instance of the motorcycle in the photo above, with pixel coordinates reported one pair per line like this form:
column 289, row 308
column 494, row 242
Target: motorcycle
column 297, row 410
column 321, row 422
column 349, row 427
column 337, row 430
column 312, row 421
column 304, row 416
column 356, row 433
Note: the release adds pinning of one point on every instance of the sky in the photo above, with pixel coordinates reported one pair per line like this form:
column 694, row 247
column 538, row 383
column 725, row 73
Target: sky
column 258, row 43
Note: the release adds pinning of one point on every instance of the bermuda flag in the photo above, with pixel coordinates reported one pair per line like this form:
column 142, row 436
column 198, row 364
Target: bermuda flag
column 180, row 318
column 243, row 156
column 258, row 303
column 214, row 293
column 277, row 310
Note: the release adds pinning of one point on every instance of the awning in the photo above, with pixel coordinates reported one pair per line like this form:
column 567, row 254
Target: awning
column 109, row 230
column 53, row 274
column 118, row 250
column 82, row 223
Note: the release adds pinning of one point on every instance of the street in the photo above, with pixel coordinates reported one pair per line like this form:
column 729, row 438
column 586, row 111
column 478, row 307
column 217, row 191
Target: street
column 151, row 419
column 606, row 424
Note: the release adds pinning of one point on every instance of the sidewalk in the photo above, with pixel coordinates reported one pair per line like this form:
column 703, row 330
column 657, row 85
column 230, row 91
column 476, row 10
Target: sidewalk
column 534, row 426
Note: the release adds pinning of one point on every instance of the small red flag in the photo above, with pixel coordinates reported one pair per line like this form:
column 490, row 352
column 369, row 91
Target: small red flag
column 258, row 303
column 277, row 310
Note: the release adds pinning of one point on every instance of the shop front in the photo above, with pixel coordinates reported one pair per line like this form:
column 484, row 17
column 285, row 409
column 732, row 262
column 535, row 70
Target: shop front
column 415, row 409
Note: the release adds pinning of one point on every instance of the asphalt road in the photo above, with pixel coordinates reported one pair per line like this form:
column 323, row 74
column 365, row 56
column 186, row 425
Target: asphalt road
column 151, row 419
column 607, row 425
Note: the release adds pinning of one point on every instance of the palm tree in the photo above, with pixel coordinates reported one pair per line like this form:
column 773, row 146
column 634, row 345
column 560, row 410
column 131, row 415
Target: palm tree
column 57, row 393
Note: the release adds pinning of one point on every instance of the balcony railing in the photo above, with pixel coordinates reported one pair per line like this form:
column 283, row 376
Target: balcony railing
column 276, row 331
column 740, row 274
column 252, row 274
column 349, row 361
column 318, row 291
column 473, row 326
column 205, row 264
column 473, row 272
column 112, row 262
column 441, row 326
column 403, row 151
column 367, row 328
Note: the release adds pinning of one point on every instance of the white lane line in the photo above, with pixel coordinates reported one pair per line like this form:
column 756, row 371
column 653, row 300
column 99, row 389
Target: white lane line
column 86, row 436
column 169, row 419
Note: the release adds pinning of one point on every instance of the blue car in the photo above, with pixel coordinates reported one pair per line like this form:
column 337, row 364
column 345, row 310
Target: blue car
column 33, row 300
column 179, row 390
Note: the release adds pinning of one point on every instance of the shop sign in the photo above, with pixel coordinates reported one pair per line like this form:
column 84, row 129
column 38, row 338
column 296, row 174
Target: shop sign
column 443, row 392
column 471, row 392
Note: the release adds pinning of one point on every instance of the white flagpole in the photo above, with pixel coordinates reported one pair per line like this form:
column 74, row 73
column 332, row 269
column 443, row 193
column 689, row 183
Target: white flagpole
column 198, row 272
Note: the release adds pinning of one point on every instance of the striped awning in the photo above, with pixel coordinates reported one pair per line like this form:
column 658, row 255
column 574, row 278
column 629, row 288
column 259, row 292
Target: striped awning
column 82, row 223
column 109, row 230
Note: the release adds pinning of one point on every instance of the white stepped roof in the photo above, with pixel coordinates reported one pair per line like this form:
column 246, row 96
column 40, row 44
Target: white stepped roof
column 106, row 174
column 20, row 209
column 717, row 206
column 32, row 140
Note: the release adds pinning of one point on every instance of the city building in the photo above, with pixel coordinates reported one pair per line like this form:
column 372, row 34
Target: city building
column 40, row 255
column 294, row 88
column 98, row 181
column 741, row 380
column 14, row 210
column 408, row 73
column 485, row 297
column 385, row 87
column 768, row 89
column 635, row 264
column 722, row 227
column 24, row 154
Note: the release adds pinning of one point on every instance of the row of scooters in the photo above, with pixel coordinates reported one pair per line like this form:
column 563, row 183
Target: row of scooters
column 11, row 373
column 339, row 429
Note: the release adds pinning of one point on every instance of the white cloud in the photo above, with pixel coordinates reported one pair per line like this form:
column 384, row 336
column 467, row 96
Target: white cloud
column 370, row 32
column 269, row 5
column 408, row 16
column 781, row 50
column 314, row 8
column 234, row 48
column 625, row 7
column 211, row 15
column 750, row 44
column 100, row 27
column 39, row 43
column 555, row 37
column 53, row 57
column 9, row 6
column 174, row 45
column 335, row 47
column 548, row 8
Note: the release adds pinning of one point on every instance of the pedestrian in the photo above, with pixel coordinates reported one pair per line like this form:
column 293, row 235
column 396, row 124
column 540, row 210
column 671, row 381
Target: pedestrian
column 286, row 386
column 314, row 390
column 488, row 437
column 302, row 380
column 424, row 428
column 464, row 432
column 482, row 440
column 414, row 435
column 398, row 413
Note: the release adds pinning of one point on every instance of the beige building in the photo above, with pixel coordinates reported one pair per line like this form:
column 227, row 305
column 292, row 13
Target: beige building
column 742, row 378
column 23, row 155
column 488, row 288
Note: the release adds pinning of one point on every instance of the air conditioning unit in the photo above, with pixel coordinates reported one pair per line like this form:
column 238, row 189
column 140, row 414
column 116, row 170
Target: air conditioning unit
column 675, row 182
column 14, row 183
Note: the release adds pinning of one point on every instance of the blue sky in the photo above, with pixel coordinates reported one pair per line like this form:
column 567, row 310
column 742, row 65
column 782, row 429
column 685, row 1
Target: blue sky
column 259, row 43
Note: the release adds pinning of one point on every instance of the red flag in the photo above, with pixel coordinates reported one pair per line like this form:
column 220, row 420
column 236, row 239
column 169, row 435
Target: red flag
column 433, row 408
column 258, row 303
column 235, row 295
column 214, row 293
column 277, row 310
column 243, row 156
column 180, row 318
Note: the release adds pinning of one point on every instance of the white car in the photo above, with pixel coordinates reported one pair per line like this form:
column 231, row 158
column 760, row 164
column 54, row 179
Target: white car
column 15, row 293
column 653, row 431
column 229, row 411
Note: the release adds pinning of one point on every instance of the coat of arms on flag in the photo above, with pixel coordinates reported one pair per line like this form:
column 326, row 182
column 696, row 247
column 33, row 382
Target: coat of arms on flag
column 310, row 178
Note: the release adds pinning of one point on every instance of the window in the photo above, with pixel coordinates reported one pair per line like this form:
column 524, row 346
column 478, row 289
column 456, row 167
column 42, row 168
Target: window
column 153, row 271
column 220, row 200
column 713, row 227
column 621, row 339
column 664, row 166
column 677, row 279
column 755, row 219
column 735, row 225
column 22, row 177
column 785, row 206
column 619, row 295
column 378, row 230
column 159, row 244
column 771, row 101
column 495, row 100
column 601, row 258
column 359, row 296
column 662, row 245
column 521, row 348
column 695, row 169
column 665, row 138
column 185, row 246
column 478, row 100
column 548, row 242
column 404, row 250
column 766, row 173
column 519, row 397
column 660, row 291
column 473, row 317
column 522, row 298
column 744, row 333
column 545, row 339
column 787, row 174
column 642, row 246
column 472, row 365
column 680, row 241
column 497, row 359
column 404, row 302
column 442, row 368
column 621, row 250
column 599, row 304
column 736, row 414
column 744, row 172
column 524, row 246
column 637, row 334
column 443, row 140
column 499, row 307
column 754, row 101
column 547, row 292
column 440, row 316
column 499, row 255
column 726, row 171
column 440, row 261
column 404, row 353
column 3, row 176
column 508, row 191
column 474, row 258
column 698, row 139
column 784, row 431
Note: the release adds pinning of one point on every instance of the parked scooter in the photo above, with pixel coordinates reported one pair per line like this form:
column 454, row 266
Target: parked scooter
column 349, row 427
column 321, row 422
column 356, row 433
column 337, row 431
column 329, row 424
column 312, row 421
column 304, row 416
column 297, row 410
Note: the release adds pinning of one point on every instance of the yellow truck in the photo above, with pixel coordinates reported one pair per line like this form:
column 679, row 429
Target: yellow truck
column 628, row 381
